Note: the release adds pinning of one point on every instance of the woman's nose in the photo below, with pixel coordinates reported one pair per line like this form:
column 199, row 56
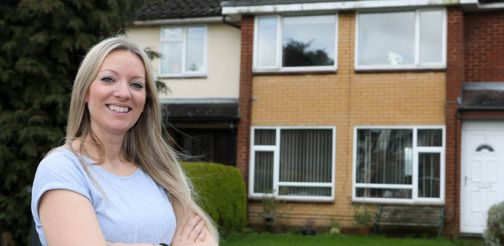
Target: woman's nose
column 122, row 90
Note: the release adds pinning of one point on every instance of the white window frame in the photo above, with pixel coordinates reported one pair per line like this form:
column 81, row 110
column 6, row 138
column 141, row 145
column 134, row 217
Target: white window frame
column 416, row 65
column 276, row 166
column 185, row 73
column 279, row 42
column 414, row 186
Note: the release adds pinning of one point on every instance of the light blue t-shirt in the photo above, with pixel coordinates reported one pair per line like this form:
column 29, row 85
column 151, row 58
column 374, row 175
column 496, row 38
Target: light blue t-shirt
column 130, row 209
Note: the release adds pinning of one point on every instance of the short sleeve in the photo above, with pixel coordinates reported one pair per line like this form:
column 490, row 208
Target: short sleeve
column 60, row 169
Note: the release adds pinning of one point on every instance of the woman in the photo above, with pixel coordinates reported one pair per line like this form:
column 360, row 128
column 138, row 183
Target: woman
column 115, row 181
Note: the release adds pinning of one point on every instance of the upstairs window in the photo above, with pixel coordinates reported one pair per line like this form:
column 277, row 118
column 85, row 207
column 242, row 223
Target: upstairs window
column 183, row 50
column 401, row 40
column 295, row 43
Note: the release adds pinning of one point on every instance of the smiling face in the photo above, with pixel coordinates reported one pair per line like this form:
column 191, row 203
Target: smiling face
column 116, row 97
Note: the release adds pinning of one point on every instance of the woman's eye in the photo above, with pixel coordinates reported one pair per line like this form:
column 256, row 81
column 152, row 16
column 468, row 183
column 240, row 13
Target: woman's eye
column 137, row 85
column 107, row 79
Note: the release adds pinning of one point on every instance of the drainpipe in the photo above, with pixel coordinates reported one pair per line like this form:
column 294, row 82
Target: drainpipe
column 457, row 159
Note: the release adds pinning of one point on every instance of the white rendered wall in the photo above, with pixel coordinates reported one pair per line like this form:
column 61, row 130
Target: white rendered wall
column 223, row 71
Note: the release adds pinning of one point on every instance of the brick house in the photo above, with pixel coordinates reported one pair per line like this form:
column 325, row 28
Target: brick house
column 474, row 115
column 200, row 66
column 374, row 102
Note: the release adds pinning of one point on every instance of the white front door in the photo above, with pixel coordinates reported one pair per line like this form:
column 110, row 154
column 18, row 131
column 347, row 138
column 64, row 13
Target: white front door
column 482, row 181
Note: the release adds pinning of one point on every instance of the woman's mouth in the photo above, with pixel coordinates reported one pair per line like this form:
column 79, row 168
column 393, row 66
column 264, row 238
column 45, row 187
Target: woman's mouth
column 118, row 109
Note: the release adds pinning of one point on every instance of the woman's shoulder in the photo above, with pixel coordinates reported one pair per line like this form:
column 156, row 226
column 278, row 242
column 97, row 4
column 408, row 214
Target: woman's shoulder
column 61, row 160
column 60, row 169
column 60, row 153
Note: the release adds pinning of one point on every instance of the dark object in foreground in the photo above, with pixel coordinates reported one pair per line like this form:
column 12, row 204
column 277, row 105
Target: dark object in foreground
column 309, row 228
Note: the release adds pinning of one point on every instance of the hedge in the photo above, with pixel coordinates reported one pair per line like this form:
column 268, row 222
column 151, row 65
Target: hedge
column 494, row 234
column 221, row 191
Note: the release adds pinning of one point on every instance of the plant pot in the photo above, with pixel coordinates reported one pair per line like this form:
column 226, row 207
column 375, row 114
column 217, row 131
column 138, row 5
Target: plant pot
column 362, row 230
column 269, row 222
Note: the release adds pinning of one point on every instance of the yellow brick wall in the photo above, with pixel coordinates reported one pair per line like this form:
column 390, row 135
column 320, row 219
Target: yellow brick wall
column 344, row 99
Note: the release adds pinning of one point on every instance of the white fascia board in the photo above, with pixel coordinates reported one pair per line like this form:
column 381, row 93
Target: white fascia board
column 197, row 100
column 347, row 5
column 160, row 22
column 491, row 6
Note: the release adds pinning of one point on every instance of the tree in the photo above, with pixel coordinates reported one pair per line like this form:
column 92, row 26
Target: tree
column 297, row 53
column 41, row 45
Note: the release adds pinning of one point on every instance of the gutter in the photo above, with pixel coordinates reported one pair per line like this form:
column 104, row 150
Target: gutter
column 196, row 20
column 345, row 5
column 198, row 101
column 481, row 108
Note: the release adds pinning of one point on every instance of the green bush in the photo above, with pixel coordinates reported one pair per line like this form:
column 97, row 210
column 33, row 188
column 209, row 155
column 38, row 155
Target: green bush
column 221, row 192
column 494, row 234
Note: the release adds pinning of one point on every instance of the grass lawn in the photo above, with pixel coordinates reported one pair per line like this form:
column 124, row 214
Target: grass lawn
column 266, row 239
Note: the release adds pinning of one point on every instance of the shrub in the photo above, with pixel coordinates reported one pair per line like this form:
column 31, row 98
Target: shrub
column 494, row 234
column 222, row 195
column 363, row 215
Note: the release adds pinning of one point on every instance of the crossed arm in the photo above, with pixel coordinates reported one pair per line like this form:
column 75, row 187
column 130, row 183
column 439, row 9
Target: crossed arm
column 68, row 218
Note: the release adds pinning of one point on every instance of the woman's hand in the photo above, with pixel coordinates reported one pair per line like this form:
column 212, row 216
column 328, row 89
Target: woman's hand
column 194, row 232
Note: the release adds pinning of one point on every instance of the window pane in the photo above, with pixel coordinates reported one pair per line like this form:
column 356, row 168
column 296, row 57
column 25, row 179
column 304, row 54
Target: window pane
column 384, row 193
column 264, row 137
column 173, row 34
column 430, row 137
column 306, row 155
column 384, row 156
column 304, row 191
column 431, row 36
column 266, row 41
column 263, row 172
column 429, row 175
column 308, row 41
column 386, row 38
column 171, row 50
column 195, row 49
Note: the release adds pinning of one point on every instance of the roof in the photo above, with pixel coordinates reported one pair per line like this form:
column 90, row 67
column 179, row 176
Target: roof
column 236, row 3
column 233, row 3
column 178, row 9
column 483, row 96
column 201, row 112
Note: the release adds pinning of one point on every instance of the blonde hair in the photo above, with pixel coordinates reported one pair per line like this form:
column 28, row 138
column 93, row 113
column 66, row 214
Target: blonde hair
column 143, row 143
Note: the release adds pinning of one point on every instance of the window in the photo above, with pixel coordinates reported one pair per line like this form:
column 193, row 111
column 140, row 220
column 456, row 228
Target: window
column 401, row 40
column 293, row 163
column 183, row 50
column 295, row 43
column 399, row 164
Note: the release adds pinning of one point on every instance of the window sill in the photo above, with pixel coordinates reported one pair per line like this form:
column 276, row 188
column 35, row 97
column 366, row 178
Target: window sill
column 262, row 71
column 183, row 76
column 398, row 201
column 371, row 69
column 307, row 199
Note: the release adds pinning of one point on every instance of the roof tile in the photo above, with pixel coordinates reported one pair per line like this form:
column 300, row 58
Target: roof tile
column 177, row 9
column 232, row 3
